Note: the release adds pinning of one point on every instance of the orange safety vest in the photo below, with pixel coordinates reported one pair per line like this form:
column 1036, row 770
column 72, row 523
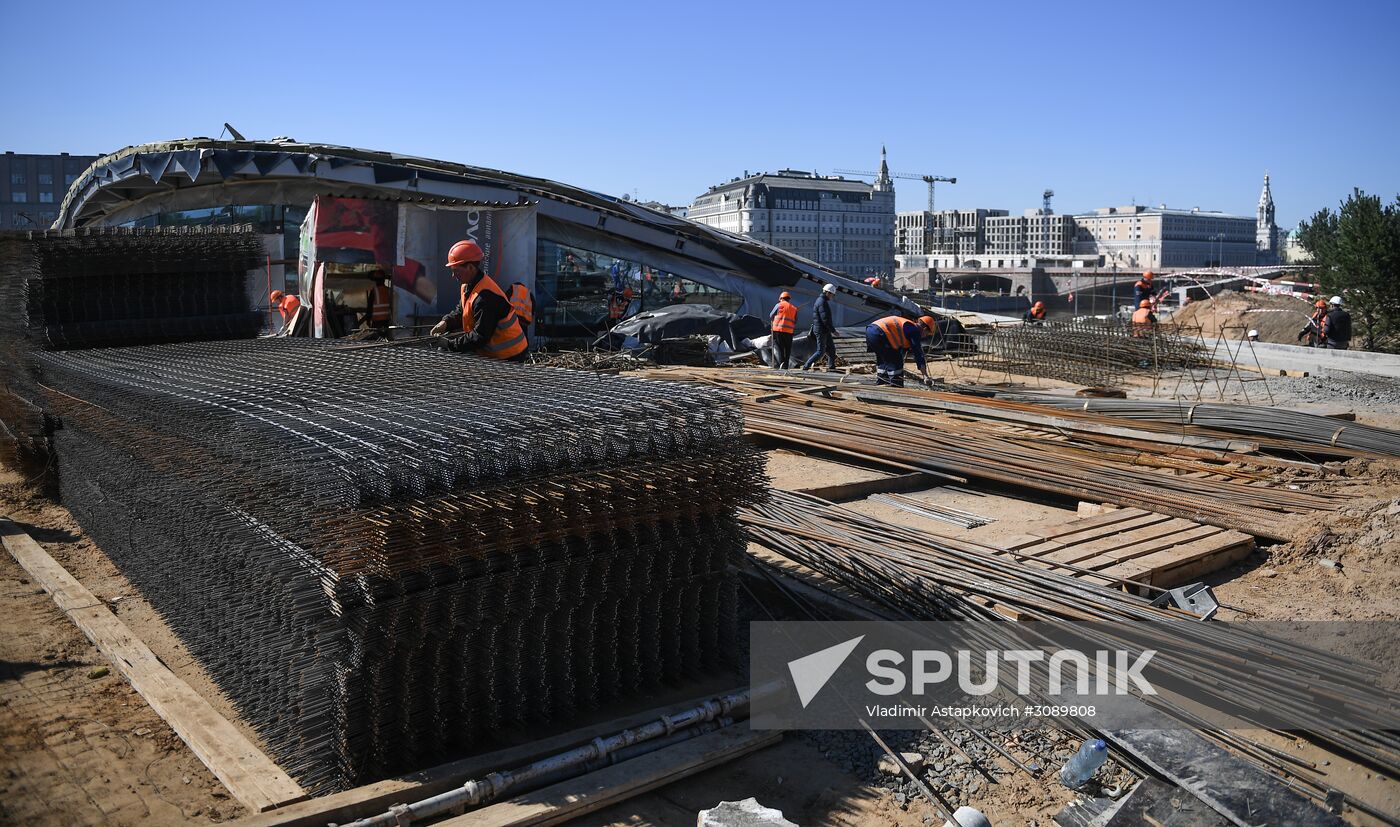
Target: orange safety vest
column 382, row 309
column 785, row 321
column 288, row 307
column 1038, row 313
column 893, row 328
column 508, row 339
column 521, row 303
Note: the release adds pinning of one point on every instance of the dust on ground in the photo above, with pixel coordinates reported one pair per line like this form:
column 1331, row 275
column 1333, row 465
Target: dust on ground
column 79, row 745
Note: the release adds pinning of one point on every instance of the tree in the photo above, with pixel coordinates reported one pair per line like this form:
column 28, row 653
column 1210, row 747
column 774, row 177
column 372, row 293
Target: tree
column 1357, row 251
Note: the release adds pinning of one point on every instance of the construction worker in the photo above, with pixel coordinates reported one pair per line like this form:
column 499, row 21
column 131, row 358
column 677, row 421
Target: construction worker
column 617, row 305
column 1252, row 335
column 381, row 307
column 823, row 329
column 285, row 303
column 889, row 339
column 1313, row 329
column 783, row 318
column 1143, row 318
column 1143, row 289
column 1336, row 326
column 488, row 323
column 873, row 281
column 1036, row 314
column 523, row 303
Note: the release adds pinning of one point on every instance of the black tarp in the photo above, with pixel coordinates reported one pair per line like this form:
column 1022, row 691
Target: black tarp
column 680, row 320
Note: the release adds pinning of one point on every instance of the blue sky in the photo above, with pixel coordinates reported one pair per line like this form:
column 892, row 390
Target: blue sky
column 1106, row 103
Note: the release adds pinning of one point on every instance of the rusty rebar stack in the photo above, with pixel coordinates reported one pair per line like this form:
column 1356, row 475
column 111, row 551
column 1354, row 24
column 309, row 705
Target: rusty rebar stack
column 385, row 556
column 1090, row 351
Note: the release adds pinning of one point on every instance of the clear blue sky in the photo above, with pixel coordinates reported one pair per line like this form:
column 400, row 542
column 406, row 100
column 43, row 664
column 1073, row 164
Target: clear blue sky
column 1179, row 102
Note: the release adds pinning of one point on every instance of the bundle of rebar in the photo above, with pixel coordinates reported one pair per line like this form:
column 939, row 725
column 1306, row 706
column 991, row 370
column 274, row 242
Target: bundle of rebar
column 933, row 511
column 1089, row 351
column 385, row 556
column 907, row 574
column 1298, row 426
column 112, row 286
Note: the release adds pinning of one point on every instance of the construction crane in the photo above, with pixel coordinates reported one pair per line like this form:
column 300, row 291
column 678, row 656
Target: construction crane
column 927, row 179
column 1045, row 200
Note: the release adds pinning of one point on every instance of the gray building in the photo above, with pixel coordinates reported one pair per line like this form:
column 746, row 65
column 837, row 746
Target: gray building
column 1135, row 237
column 1037, row 234
column 846, row 225
column 945, row 233
column 32, row 187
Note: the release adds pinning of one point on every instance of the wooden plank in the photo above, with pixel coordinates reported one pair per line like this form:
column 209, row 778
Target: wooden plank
column 250, row 776
column 376, row 798
column 1189, row 560
column 1095, row 535
column 570, row 799
column 1080, row 523
column 1145, row 540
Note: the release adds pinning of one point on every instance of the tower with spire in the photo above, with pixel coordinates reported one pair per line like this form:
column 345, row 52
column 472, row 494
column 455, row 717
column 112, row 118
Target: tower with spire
column 1266, row 236
column 882, row 196
column 883, row 182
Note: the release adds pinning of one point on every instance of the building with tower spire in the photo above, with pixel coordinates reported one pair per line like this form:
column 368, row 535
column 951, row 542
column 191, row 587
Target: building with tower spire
column 1267, row 249
column 844, row 224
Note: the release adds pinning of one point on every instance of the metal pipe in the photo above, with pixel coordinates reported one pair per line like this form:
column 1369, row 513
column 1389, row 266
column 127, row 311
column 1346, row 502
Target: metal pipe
column 493, row 786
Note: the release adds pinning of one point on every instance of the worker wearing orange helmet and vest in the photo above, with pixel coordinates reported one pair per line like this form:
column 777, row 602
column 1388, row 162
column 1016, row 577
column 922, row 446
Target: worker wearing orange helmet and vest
column 784, row 323
column 381, row 305
column 890, row 338
column 1313, row 329
column 285, row 303
column 1143, row 318
column 489, row 326
column 1036, row 313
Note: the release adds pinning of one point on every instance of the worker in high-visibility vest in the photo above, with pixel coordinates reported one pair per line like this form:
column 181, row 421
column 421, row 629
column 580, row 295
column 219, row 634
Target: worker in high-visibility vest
column 523, row 303
column 783, row 318
column 1143, row 287
column 1036, row 314
column 381, row 306
column 286, row 304
column 890, row 339
column 488, row 323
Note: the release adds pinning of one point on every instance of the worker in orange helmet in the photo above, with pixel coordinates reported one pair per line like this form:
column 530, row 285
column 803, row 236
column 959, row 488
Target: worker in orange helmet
column 285, row 303
column 783, row 318
column 890, row 339
column 1313, row 329
column 1036, row 314
column 1143, row 318
column 488, row 325
column 1142, row 289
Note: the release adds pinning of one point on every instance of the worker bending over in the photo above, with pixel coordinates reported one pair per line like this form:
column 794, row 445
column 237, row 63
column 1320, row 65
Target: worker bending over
column 784, row 323
column 889, row 339
column 285, row 303
column 1313, row 329
column 488, row 323
column 1144, row 320
column 1036, row 314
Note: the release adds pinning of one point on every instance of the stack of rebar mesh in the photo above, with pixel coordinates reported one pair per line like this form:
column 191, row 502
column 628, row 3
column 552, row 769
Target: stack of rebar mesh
column 1090, row 351
column 385, row 556
column 112, row 286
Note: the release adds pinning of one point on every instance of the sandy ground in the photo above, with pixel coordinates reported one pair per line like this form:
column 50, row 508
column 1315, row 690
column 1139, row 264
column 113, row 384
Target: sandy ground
column 1231, row 315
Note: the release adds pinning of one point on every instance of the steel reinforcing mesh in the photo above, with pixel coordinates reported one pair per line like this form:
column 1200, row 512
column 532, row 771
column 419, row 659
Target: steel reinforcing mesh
column 386, row 556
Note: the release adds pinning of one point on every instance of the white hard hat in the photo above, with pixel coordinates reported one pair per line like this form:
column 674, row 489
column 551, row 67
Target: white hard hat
column 831, row 288
column 1253, row 334
column 1335, row 300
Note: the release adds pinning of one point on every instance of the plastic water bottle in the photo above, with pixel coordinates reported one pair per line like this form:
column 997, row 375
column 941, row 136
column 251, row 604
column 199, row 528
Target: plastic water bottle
column 1083, row 764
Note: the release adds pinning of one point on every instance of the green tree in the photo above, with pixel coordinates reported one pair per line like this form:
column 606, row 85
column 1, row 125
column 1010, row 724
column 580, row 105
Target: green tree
column 1357, row 251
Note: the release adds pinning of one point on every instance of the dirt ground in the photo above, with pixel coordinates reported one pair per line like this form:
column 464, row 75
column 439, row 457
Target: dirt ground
column 1231, row 315
column 87, row 750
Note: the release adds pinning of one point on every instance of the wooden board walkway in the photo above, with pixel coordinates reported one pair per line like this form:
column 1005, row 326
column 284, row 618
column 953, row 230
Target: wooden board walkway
column 250, row 776
column 1133, row 544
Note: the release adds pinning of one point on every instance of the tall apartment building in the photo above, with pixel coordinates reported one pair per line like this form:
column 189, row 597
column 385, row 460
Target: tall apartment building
column 946, row 232
column 1037, row 234
column 32, row 187
column 843, row 224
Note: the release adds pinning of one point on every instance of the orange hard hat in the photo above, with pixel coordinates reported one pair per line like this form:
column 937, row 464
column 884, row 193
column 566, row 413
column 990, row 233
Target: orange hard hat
column 1147, row 275
column 1319, row 303
column 1145, row 303
column 627, row 292
column 930, row 323
column 275, row 295
column 785, row 295
column 464, row 252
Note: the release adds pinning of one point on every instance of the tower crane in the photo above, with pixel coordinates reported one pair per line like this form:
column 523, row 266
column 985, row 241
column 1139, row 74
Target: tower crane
column 1046, row 196
column 927, row 179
